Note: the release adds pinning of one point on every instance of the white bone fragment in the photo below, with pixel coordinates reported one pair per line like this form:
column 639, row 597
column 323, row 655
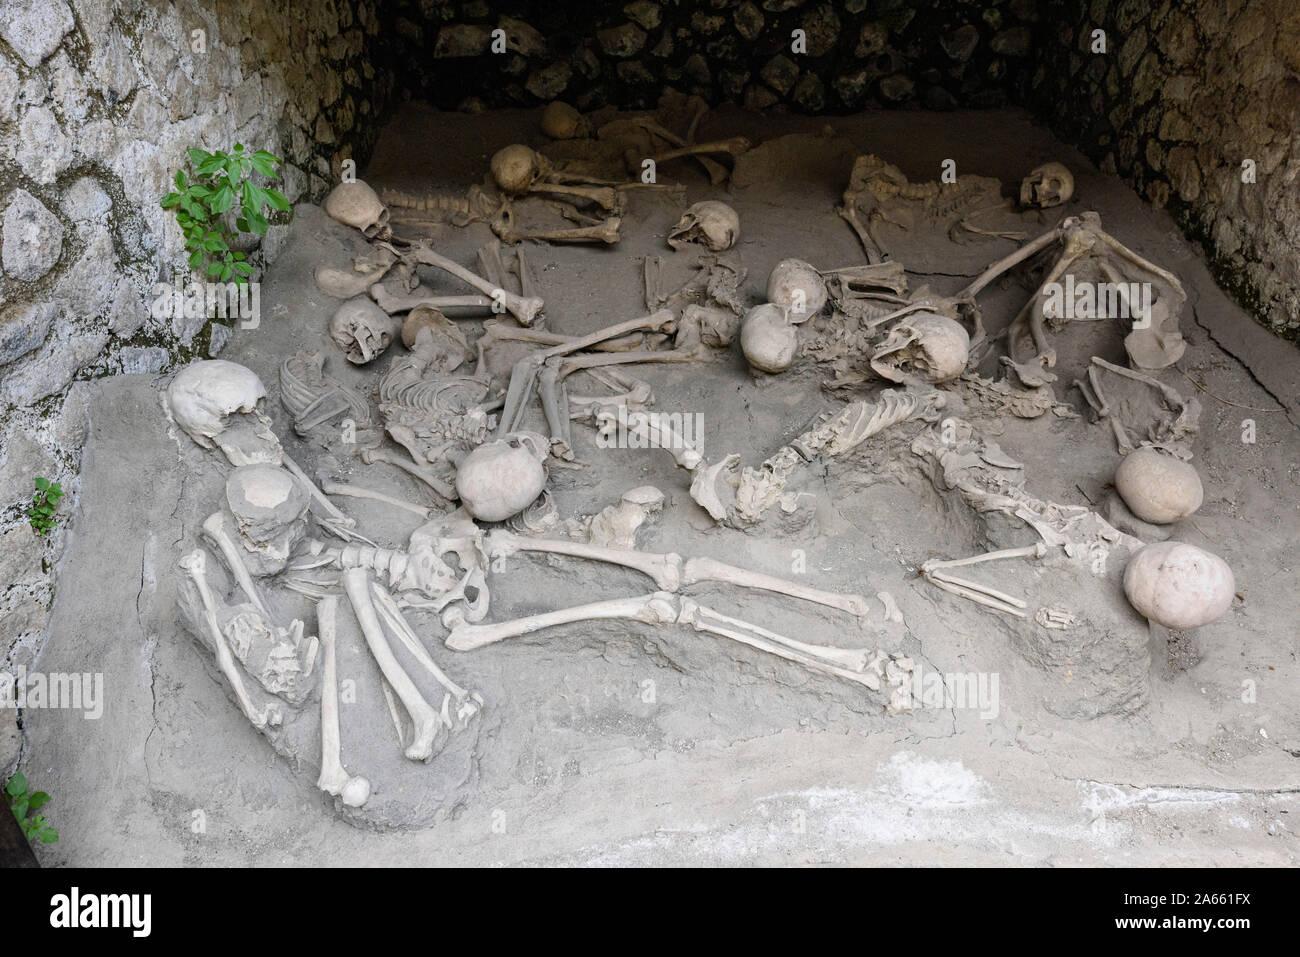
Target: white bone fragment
column 356, row 491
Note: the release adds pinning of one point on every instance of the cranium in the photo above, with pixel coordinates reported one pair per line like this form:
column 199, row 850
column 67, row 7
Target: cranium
column 1158, row 488
column 207, row 397
column 357, row 205
column 270, row 510
column 798, row 288
column 560, row 121
column 710, row 325
column 768, row 339
column 502, row 478
column 447, row 348
column 1179, row 585
column 1048, row 185
column 517, row 167
column 711, row 223
column 925, row 346
column 362, row 330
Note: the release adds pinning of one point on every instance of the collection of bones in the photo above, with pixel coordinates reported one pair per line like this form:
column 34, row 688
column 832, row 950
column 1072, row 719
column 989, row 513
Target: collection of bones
column 450, row 413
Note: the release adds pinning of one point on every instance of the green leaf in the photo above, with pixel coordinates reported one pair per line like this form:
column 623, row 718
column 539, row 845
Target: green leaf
column 214, row 269
column 269, row 157
column 233, row 171
column 263, row 166
column 17, row 784
column 49, row 835
column 222, row 200
column 20, row 807
column 209, row 166
column 42, row 483
column 170, row 200
column 243, row 268
column 180, row 179
column 276, row 200
column 225, row 273
column 196, row 259
column 198, row 191
column 197, row 156
column 239, row 147
column 239, row 256
column 38, row 800
column 241, row 224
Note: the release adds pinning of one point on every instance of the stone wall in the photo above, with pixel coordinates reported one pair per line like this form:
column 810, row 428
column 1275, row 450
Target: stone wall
column 858, row 54
column 99, row 101
column 1185, row 92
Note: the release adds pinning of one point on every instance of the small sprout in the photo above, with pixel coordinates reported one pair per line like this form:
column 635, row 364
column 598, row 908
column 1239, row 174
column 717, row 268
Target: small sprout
column 22, row 804
column 44, row 502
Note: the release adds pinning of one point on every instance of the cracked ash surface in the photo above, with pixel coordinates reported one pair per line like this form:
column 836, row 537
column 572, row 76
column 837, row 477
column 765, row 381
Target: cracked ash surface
column 737, row 759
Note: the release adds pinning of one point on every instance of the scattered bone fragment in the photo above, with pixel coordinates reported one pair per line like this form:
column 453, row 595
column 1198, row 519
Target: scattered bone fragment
column 617, row 526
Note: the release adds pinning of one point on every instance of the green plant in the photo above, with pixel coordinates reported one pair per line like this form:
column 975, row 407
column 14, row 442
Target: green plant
column 22, row 803
column 220, row 180
column 44, row 502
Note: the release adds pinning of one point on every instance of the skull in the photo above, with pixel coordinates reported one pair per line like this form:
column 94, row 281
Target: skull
column 210, row 397
column 768, row 339
column 925, row 346
column 362, row 330
column 560, row 121
column 1178, row 585
column 1049, row 185
column 517, row 167
column 270, row 510
column 707, row 325
column 446, row 348
column 710, row 223
column 502, row 478
column 357, row 205
column 798, row 288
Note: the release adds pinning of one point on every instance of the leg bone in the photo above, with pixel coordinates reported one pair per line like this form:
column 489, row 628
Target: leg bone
column 334, row 778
